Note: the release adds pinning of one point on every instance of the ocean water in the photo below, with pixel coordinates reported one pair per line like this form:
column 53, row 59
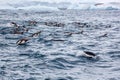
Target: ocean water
column 55, row 54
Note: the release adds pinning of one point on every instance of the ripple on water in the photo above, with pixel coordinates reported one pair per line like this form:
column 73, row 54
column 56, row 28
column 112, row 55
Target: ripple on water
column 31, row 78
column 114, row 54
column 6, row 30
column 32, row 54
column 54, row 64
column 60, row 78
column 3, row 73
column 2, row 45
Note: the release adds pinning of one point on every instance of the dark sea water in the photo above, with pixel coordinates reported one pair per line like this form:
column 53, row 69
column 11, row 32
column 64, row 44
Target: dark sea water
column 56, row 54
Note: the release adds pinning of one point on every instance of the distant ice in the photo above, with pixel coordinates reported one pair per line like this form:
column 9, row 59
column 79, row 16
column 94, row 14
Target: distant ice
column 55, row 4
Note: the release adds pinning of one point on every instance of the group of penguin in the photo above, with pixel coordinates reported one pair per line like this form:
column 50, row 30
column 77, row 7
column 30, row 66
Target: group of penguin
column 22, row 41
column 18, row 29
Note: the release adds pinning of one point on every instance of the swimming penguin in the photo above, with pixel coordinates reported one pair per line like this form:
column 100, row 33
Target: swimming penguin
column 14, row 24
column 70, row 33
column 57, row 40
column 22, row 41
column 104, row 35
column 20, row 30
column 17, row 26
column 36, row 34
column 17, row 32
column 89, row 54
column 32, row 23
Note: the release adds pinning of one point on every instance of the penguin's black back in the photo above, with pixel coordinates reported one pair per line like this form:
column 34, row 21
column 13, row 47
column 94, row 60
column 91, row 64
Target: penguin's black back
column 89, row 53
